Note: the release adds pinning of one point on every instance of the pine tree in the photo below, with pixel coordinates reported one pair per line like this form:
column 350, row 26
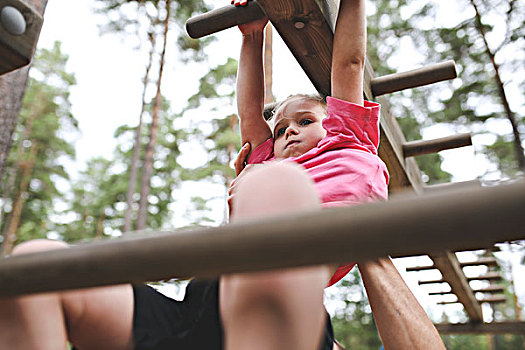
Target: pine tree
column 35, row 163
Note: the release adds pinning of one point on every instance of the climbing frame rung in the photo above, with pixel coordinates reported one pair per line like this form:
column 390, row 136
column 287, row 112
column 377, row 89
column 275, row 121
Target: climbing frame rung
column 222, row 18
column 414, row 78
column 418, row 148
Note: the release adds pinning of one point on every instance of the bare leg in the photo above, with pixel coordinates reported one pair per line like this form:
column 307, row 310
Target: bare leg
column 97, row 318
column 278, row 309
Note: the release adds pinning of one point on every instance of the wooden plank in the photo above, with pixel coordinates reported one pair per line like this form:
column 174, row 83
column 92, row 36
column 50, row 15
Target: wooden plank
column 511, row 327
column 449, row 266
column 20, row 27
column 406, row 225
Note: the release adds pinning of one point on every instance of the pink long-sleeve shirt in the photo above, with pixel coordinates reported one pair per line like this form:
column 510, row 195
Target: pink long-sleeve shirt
column 344, row 165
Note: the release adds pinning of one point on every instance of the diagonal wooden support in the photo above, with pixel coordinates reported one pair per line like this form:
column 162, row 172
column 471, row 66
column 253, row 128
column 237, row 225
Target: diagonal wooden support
column 450, row 269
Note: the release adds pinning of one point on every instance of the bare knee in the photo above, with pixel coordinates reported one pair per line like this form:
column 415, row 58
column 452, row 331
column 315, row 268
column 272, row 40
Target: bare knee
column 275, row 189
column 38, row 245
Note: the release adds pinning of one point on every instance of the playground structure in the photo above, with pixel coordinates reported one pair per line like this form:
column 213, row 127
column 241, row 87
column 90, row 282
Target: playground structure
column 482, row 215
column 19, row 30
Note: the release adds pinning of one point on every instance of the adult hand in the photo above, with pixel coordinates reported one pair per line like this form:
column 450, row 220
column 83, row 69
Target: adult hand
column 242, row 157
column 251, row 27
column 241, row 168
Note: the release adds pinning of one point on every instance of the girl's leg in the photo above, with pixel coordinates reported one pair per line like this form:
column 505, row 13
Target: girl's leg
column 278, row 309
column 96, row 318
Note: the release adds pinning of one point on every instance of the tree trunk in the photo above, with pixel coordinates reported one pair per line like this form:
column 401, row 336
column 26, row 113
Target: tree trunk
column 10, row 234
column 150, row 149
column 268, row 55
column 138, row 143
column 12, row 88
column 520, row 153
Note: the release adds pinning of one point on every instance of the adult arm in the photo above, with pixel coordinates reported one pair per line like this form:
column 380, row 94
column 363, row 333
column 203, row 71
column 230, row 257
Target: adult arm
column 250, row 83
column 348, row 57
column 401, row 321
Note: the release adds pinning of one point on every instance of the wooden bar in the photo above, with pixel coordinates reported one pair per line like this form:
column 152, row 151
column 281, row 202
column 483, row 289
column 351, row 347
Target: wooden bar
column 488, row 261
column 222, row 18
column 420, row 268
column 451, row 186
column 449, row 266
column 510, row 327
column 441, row 293
column 494, row 299
column 435, row 281
column 490, row 289
column 405, row 225
column 418, row 148
column 414, row 78
column 491, row 276
column 20, row 27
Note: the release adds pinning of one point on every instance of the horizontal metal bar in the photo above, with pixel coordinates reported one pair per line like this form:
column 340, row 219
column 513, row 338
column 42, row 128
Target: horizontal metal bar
column 405, row 225
column 421, row 147
column 222, row 18
column 414, row 78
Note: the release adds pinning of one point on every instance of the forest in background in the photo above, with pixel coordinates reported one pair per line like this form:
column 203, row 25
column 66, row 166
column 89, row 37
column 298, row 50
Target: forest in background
column 135, row 185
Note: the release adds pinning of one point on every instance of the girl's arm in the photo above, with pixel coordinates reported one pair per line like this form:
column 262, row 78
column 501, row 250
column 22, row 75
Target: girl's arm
column 401, row 321
column 348, row 58
column 250, row 85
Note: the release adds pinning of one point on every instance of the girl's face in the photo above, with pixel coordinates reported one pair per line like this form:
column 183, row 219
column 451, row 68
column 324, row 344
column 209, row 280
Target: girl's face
column 297, row 127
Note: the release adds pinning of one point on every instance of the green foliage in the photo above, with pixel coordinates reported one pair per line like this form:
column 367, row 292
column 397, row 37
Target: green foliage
column 39, row 147
column 353, row 323
column 472, row 100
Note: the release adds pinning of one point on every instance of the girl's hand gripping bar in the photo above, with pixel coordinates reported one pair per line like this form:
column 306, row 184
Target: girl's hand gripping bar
column 223, row 18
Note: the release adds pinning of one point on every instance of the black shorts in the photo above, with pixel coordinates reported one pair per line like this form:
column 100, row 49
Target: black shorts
column 194, row 323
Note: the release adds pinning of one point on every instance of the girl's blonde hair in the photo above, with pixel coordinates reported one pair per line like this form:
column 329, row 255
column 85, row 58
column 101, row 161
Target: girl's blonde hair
column 271, row 108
